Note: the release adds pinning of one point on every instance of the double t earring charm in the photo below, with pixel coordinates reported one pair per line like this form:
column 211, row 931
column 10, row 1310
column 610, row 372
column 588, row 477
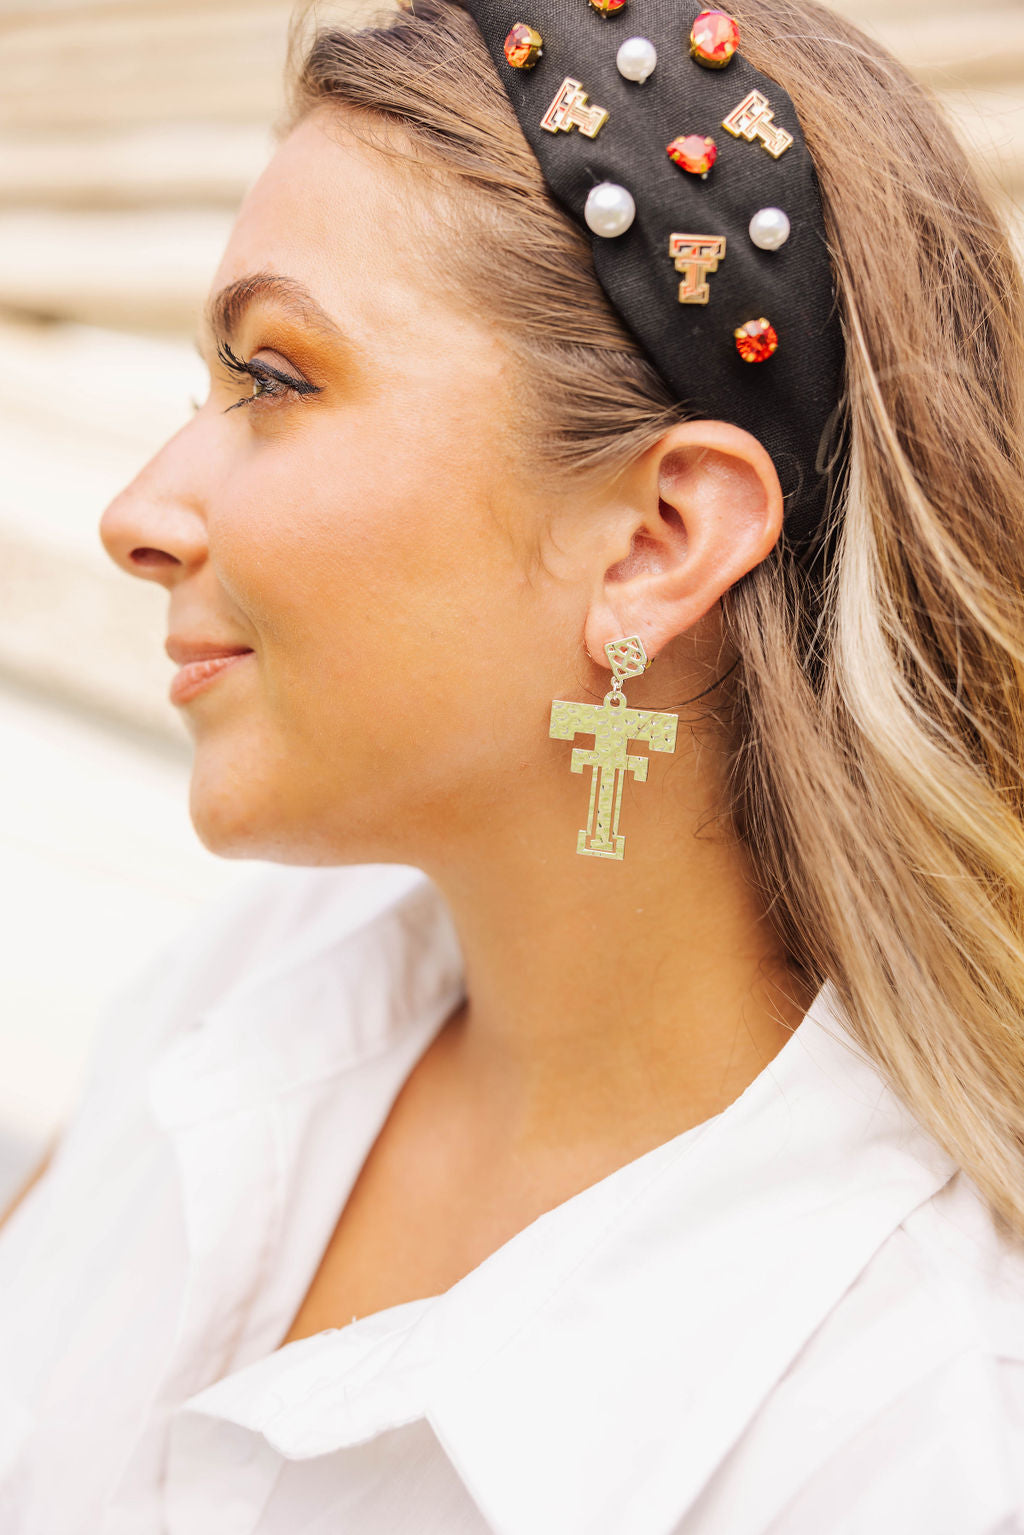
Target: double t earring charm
column 613, row 725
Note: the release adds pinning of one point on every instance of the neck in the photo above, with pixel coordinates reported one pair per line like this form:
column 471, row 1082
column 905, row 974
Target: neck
column 655, row 984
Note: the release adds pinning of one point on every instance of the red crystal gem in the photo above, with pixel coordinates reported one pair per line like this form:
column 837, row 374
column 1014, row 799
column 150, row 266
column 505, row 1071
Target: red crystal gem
column 522, row 46
column 608, row 7
column 756, row 341
column 693, row 154
column 714, row 39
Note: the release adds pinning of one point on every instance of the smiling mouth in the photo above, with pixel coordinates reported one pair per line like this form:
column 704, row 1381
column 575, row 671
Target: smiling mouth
column 195, row 676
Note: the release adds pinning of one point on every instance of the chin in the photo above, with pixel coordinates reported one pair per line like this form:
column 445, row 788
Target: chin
column 232, row 828
column 241, row 808
column 226, row 823
column 233, row 806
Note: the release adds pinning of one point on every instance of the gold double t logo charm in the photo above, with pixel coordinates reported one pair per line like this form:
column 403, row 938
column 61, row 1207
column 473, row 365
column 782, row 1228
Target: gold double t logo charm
column 754, row 119
column 570, row 109
column 695, row 256
column 613, row 725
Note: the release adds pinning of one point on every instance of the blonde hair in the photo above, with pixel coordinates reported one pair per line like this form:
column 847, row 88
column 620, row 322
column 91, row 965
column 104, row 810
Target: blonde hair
column 875, row 723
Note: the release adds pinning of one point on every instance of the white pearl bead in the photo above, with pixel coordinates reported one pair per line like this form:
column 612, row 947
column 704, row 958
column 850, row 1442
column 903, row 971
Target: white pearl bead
column 769, row 229
column 636, row 59
column 610, row 209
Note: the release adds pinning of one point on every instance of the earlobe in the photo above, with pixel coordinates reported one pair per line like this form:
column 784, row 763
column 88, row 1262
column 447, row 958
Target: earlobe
column 706, row 507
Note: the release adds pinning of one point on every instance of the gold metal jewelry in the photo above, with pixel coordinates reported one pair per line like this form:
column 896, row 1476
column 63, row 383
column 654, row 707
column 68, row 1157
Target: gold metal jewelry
column 695, row 256
column 613, row 725
column 570, row 110
column 754, row 119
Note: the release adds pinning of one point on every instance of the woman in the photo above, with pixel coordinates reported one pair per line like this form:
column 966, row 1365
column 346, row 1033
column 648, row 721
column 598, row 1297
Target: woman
column 511, row 1163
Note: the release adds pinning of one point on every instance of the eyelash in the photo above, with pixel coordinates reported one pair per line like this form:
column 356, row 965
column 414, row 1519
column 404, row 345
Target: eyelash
column 274, row 384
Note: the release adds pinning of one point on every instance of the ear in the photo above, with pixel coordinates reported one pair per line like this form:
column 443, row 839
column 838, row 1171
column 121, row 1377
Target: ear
column 693, row 515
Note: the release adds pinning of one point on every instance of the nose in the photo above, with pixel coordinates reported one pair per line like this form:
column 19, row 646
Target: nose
column 156, row 527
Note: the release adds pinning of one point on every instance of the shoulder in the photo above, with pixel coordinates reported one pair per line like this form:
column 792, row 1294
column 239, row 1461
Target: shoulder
column 908, row 1401
column 951, row 1284
column 974, row 1271
column 969, row 1298
column 904, row 1408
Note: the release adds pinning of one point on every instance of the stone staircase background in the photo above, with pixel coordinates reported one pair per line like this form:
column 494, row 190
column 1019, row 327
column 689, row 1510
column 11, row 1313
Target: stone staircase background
column 129, row 129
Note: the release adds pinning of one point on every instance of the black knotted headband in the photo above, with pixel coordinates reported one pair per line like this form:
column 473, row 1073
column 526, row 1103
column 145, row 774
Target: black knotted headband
column 789, row 401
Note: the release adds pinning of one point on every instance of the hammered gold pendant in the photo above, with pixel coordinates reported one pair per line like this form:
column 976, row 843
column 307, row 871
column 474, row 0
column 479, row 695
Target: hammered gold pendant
column 613, row 725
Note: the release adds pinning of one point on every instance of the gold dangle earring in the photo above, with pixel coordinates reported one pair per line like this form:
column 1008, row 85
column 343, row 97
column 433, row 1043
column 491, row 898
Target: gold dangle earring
column 613, row 725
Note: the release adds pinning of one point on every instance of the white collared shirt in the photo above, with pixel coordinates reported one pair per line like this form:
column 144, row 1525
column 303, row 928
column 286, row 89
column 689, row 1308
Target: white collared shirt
column 794, row 1319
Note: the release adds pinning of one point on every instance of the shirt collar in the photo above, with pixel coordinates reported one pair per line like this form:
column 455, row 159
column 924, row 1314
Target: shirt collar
column 365, row 957
column 593, row 1372
column 601, row 1383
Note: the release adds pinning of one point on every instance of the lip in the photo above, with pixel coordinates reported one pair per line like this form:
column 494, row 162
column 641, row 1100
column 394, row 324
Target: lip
column 200, row 663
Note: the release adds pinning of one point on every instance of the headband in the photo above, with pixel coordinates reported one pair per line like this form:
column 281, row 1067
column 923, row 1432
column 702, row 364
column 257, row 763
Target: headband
column 689, row 169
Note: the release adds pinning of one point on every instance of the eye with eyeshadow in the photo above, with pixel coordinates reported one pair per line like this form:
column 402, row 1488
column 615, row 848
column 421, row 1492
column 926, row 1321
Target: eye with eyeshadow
column 268, row 383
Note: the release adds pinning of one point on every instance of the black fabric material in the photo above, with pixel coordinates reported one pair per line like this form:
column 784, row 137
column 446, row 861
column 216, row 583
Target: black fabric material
column 788, row 402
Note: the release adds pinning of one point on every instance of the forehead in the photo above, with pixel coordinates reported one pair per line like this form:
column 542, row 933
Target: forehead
column 315, row 202
column 347, row 222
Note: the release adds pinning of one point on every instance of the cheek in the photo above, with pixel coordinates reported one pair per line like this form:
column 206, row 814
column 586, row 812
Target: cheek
column 368, row 567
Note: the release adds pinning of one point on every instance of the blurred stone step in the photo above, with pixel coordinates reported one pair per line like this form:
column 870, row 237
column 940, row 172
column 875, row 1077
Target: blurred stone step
column 145, row 270
column 56, row 12
column 124, row 64
column 121, row 394
column 142, row 64
column 163, row 165
column 85, row 637
column 992, row 122
column 950, row 51
column 80, row 413
column 922, row 13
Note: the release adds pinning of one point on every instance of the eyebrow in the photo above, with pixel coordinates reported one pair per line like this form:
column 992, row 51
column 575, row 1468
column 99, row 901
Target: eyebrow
column 225, row 311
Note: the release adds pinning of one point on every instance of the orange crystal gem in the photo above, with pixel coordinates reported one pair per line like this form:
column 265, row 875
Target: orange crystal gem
column 714, row 39
column 693, row 154
column 523, row 45
column 756, row 341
